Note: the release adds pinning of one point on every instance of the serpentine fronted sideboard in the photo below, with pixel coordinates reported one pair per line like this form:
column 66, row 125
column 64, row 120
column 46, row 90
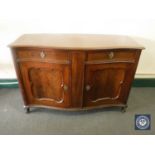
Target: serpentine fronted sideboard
column 75, row 72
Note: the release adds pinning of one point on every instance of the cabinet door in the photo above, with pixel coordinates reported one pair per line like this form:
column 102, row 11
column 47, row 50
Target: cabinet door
column 105, row 83
column 46, row 84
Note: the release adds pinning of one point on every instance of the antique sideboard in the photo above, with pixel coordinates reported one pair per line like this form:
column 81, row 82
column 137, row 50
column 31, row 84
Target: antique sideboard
column 75, row 72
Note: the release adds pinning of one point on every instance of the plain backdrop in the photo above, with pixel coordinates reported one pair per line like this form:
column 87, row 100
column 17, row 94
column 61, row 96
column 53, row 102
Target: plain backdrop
column 125, row 17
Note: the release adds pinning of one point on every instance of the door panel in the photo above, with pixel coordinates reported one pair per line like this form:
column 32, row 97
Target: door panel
column 103, row 83
column 46, row 84
column 54, row 80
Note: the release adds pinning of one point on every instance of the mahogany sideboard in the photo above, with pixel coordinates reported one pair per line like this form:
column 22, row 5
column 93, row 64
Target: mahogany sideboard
column 75, row 72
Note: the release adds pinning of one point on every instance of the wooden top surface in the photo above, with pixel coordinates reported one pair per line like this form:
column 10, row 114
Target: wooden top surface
column 76, row 41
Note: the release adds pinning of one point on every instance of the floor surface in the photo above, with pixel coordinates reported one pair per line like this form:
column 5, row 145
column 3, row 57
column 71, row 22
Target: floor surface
column 14, row 120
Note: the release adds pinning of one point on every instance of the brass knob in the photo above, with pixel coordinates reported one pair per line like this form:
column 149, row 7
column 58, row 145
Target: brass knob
column 42, row 54
column 88, row 87
column 65, row 87
column 111, row 55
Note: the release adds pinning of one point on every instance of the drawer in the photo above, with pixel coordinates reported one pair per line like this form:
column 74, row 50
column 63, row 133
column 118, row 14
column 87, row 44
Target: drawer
column 112, row 55
column 41, row 55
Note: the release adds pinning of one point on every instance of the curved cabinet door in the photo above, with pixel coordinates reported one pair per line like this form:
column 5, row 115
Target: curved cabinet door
column 46, row 84
column 105, row 83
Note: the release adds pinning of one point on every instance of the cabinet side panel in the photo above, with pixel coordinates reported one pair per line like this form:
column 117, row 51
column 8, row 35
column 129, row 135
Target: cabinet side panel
column 130, row 78
column 18, row 73
column 78, row 59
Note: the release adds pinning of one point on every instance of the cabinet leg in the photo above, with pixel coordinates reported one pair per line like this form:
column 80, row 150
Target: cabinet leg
column 27, row 109
column 123, row 109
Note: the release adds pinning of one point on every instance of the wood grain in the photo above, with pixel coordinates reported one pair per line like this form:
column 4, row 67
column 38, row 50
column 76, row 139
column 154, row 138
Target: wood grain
column 78, row 60
column 75, row 72
column 76, row 41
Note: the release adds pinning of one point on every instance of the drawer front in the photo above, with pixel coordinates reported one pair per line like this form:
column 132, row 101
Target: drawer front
column 42, row 55
column 112, row 55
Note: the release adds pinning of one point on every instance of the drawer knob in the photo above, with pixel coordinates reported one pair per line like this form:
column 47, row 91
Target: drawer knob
column 42, row 54
column 65, row 87
column 88, row 87
column 111, row 55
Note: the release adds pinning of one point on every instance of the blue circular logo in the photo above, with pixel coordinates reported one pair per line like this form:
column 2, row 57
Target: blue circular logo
column 142, row 122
